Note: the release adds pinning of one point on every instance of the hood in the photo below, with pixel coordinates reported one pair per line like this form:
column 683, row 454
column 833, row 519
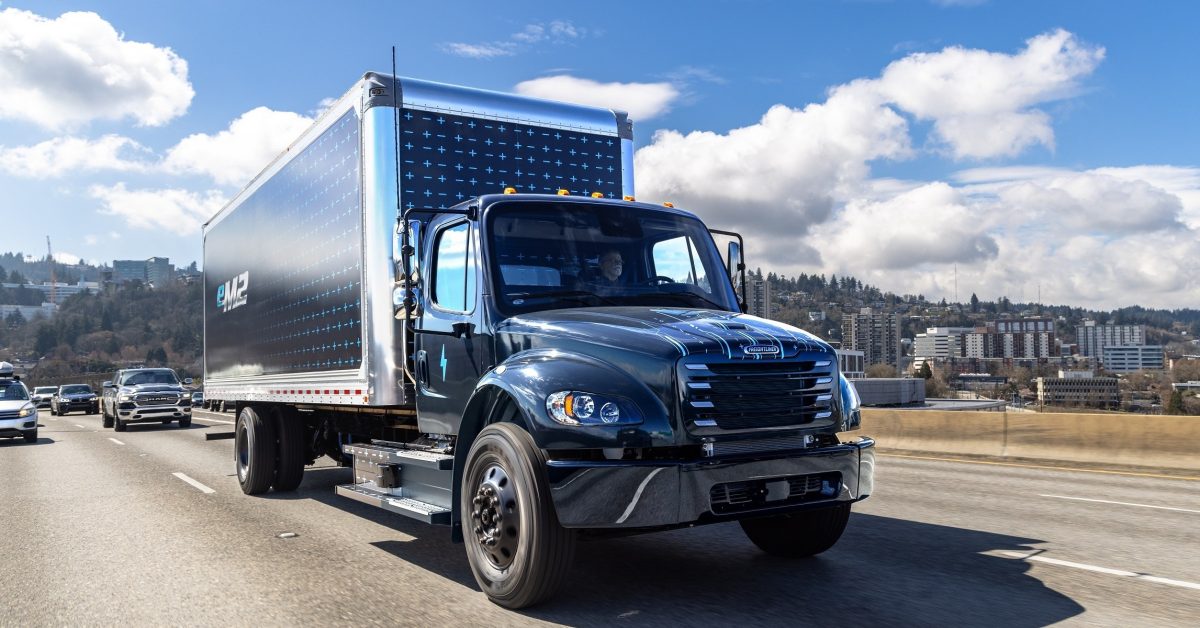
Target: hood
column 666, row 332
column 77, row 396
column 9, row 405
column 143, row 388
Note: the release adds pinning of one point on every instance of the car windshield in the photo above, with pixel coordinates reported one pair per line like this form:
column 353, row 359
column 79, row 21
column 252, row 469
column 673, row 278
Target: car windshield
column 13, row 391
column 44, row 390
column 75, row 390
column 149, row 377
column 562, row 255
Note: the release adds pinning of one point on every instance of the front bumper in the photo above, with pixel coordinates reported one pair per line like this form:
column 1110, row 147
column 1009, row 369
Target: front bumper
column 634, row 494
column 10, row 428
column 86, row 405
column 149, row 414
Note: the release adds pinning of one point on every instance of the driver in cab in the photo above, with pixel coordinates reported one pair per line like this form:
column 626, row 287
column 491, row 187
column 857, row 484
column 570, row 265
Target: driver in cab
column 609, row 281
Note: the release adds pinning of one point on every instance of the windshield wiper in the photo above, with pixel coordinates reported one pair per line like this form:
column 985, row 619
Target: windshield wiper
column 686, row 295
column 579, row 294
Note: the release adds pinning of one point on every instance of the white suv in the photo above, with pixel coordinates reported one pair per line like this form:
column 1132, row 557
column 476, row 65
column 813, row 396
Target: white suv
column 18, row 413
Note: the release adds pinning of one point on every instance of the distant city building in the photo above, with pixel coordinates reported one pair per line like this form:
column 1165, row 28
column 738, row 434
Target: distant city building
column 760, row 298
column 876, row 334
column 1027, row 338
column 1094, row 337
column 979, row 382
column 1133, row 358
column 1063, row 374
column 1095, row 392
column 159, row 270
column 939, row 344
column 850, row 363
column 1188, row 385
column 28, row 312
column 156, row 270
column 61, row 290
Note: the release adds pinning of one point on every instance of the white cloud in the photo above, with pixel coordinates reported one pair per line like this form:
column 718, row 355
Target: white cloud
column 233, row 156
column 69, row 155
column 641, row 100
column 63, row 72
column 91, row 239
column 798, row 183
column 177, row 211
column 981, row 103
column 554, row 32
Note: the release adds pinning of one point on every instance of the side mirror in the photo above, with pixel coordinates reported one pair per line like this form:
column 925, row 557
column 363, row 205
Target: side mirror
column 107, row 384
column 187, row 381
column 736, row 268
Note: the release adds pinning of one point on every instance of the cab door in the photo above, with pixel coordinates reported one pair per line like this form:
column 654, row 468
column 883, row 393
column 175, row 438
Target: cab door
column 450, row 351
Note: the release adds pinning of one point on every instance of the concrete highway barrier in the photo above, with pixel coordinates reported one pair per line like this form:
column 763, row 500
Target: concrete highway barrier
column 1171, row 442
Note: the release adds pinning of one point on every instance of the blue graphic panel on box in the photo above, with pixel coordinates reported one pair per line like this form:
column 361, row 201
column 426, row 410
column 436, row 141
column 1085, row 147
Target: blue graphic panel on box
column 300, row 312
column 446, row 159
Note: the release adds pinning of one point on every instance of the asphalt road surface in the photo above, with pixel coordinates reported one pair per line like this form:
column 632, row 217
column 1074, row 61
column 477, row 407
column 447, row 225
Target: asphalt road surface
column 149, row 527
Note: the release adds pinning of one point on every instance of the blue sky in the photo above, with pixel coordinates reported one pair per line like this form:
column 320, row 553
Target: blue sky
column 1026, row 143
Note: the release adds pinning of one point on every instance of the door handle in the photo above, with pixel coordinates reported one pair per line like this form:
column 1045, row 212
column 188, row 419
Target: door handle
column 422, row 368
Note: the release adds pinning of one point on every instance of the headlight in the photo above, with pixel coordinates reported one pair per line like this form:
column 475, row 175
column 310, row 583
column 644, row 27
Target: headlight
column 26, row 411
column 124, row 398
column 571, row 407
column 851, row 405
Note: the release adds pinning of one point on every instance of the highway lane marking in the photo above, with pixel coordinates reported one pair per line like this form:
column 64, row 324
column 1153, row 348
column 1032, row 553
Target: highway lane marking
column 203, row 489
column 80, row 426
column 214, row 420
column 1041, row 466
column 115, row 440
column 1035, row 556
column 1105, row 501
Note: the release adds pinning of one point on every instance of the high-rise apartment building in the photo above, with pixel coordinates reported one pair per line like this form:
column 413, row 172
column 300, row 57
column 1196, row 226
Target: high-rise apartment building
column 1026, row 338
column 759, row 297
column 876, row 334
column 1093, row 338
column 125, row 270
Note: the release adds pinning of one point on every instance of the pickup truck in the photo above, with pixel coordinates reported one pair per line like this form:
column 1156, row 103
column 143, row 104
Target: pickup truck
column 145, row 395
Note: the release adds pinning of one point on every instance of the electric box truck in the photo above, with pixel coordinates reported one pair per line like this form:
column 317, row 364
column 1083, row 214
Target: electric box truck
column 455, row 293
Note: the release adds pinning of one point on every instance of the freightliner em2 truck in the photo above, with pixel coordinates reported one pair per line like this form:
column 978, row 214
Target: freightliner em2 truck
column 454, row 292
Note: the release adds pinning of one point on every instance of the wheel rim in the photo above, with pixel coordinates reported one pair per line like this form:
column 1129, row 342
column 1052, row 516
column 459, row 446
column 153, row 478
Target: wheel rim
column 495, row 516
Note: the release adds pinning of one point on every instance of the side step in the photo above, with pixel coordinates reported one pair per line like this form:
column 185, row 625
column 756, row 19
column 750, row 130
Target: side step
column 406, row 506
column 416, row 483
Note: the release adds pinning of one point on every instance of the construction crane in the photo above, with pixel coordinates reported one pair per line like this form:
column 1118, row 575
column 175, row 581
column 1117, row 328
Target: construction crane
column 50, row 260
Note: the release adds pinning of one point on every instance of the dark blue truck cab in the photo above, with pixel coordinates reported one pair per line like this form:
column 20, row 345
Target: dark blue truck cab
column 490, row 330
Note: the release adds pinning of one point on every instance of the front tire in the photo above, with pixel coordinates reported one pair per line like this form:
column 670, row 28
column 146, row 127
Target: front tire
column 119, row 425
column 519, row 553
column 105, row 419
column 798, row 534
column 254, row 451
column 31, row 436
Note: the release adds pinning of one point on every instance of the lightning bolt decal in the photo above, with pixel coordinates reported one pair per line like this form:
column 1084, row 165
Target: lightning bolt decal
column 443, row 363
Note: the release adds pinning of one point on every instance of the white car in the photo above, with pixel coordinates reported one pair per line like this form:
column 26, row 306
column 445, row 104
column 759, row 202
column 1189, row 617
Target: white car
column 42, row 395
column 18, row 413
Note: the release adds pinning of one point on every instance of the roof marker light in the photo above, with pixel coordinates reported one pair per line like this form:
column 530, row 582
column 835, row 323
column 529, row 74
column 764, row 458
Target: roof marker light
column 562, row 192
column 597, row 195
column 510, row 190
column 628, row 198
column 668, row 204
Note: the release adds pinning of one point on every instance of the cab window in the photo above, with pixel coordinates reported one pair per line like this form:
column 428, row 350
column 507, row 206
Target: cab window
column 454, row 269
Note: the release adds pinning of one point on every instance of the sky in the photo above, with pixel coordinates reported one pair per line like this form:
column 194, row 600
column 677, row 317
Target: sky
column 941, row 147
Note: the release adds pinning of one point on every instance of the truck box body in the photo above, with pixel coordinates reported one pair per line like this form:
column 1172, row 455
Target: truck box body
column 299, row 266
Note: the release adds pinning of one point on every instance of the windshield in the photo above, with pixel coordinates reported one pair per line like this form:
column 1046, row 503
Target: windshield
column 13, row 391
column 560, row 255
column 75, row 390
column 149, row 377
column 44, row 390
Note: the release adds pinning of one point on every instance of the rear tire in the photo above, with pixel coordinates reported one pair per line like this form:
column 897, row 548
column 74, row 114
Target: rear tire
column 519, row 553
column 798, row 534
column 289, row 430
column 254, row 451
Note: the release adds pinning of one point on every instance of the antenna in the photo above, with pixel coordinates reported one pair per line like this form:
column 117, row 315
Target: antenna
column 956, row 282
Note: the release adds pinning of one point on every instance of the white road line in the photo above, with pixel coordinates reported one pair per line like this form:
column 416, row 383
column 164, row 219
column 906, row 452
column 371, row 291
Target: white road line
column 1105, row 501
column 115, row 440
column 1036, row 557
column 203, row 489
column 80, row 426
column 214, row 420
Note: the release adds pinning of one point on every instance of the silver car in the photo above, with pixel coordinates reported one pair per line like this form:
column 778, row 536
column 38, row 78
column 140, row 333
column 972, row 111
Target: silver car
column 42, row 395
column 18, row 414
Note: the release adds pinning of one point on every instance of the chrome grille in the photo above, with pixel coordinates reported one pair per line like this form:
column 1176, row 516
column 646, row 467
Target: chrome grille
column 9, row 414
column 155, row 399
column 758, row 393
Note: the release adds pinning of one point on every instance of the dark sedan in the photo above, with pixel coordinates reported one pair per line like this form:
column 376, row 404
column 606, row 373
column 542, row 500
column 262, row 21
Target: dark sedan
column 74, row 397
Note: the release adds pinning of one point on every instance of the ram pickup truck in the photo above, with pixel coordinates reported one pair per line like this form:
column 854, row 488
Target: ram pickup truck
column 145, row 395
column 496, row 336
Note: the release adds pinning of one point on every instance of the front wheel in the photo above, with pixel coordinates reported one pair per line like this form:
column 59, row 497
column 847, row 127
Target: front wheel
column 518, row 551
column 105, row 419
column 798, row 534
column 31, row 436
